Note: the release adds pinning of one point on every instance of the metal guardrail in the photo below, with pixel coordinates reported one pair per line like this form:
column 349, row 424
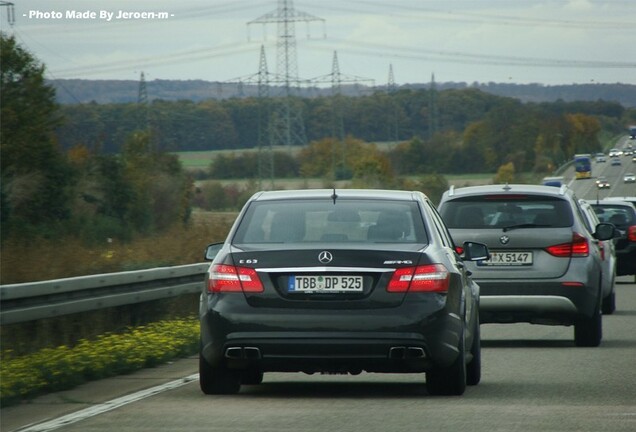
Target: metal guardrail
column 47, row 299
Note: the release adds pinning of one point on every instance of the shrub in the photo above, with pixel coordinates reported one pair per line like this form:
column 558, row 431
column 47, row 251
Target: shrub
column 64, row 367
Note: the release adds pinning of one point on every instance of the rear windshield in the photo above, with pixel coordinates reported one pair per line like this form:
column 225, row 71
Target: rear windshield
column 507, row 211
column 619, row 215
column 309, row 221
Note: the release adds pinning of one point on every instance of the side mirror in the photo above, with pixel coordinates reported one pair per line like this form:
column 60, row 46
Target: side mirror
column 475, row 251
column 605, row 231
column 212, row 250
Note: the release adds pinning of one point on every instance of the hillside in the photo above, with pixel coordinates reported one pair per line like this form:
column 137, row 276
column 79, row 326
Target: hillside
column 73, row 91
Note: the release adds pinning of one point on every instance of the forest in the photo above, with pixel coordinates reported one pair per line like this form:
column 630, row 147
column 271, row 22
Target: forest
column 452, row 130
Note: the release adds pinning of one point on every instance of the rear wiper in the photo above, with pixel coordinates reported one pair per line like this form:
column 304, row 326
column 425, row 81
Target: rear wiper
column 525, row 225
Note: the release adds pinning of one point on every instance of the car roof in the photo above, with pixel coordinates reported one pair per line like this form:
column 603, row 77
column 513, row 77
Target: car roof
column 340, row 193
column 614, row 201
column 505, row 189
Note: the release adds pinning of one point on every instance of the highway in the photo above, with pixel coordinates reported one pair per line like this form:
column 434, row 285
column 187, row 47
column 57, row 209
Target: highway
column 587, row 189
column 534, row 379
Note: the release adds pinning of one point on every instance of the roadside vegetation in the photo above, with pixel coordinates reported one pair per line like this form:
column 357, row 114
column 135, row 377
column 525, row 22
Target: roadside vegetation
column 61, row 368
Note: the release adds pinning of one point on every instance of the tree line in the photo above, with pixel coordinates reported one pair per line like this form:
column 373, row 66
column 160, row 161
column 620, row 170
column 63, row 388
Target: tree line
column 186, row 125
column 108, row 170
column 481, row 134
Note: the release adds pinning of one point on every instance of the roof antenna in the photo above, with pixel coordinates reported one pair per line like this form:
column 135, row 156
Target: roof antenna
column 334, row 195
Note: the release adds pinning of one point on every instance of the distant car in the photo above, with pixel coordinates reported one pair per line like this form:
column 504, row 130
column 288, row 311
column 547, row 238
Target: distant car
column 620, row 211
column 629, row 178
column 545, row 265
column 601, row 158
column 336, row 282
column 634, row 159
column 616, row 161
column 615, row 152
column 602, row 183
column 556, row 181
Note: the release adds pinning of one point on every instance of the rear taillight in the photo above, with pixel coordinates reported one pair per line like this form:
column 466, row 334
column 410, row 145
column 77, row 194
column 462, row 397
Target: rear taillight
column 427, row 278
column 227, row 278
column 631, row 233
column 578, row 247
column 572, row 284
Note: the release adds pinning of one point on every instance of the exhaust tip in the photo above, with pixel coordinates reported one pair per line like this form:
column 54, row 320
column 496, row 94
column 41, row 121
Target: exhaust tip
column 415, row 352
column 402, row 353
column 397, row 352
column 252, row 353
column 243, row 353
column 234, row 352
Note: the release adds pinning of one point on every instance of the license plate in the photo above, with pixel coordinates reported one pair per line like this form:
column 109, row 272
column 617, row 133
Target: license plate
column 519, row 258
column 325, row 284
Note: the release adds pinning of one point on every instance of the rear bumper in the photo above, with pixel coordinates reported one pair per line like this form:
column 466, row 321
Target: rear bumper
column 322, row 352
column 410, row 338
column 536, row 302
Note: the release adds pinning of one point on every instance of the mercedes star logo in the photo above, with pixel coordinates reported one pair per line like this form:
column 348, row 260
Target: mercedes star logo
column 325, row 257
column 504, row 239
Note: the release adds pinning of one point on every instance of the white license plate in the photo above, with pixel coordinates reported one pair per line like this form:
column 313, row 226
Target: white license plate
column 325, row 284
column 518, row 258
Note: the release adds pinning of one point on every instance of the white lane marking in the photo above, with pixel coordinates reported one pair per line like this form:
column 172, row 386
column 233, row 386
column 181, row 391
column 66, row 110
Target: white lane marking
column 106, row 406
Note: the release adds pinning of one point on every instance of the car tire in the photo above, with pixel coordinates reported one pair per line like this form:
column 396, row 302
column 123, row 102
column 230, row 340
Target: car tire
column 251, row 376
column 473, row 369
column 609, row 304
column 449, row 381
column 217, row 380
column 588, row 332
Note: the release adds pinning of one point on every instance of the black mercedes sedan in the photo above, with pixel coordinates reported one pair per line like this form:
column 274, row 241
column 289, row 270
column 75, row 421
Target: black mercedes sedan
column 340, row 282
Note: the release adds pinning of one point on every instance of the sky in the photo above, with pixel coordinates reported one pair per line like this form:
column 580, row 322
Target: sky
column 547, row 42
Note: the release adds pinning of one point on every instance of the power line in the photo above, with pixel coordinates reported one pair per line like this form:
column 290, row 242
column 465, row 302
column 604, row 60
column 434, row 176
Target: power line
column 419, row 53
column 419, row 12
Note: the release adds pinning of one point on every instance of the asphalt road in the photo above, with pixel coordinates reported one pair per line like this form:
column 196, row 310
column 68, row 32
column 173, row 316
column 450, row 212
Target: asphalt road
column 586, row 189
column 534, row 379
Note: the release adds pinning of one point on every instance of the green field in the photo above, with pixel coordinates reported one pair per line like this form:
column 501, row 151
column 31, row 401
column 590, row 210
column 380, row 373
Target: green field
column 196, row 160
column 201, row 160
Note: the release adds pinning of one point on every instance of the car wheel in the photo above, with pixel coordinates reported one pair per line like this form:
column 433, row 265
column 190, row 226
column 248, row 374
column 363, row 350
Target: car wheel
column 588, row 332
column 251, row 376
column 217, row 380
column 473, row 369
column 449, row 381
column 609, row 304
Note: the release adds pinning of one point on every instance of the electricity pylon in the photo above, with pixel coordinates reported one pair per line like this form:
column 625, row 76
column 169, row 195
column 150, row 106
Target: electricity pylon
column 286, row 124
column 336, row 78
column 142, row 103
column 393, row 129
column 433, row 111
column 264, row 139
column 390, row 85
column 265, row 151
column 142, row 94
